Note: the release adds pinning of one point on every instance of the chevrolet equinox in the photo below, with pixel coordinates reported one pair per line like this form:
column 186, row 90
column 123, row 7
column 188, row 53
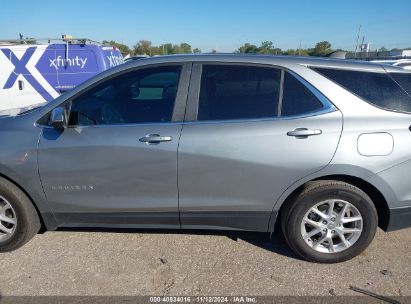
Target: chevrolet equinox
column 319, row 148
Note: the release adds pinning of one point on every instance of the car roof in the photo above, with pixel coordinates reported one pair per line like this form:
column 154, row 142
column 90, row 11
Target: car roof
column 267, row 59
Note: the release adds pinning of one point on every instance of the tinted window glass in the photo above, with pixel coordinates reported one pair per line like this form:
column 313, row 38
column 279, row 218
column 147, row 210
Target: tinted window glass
column 238, row 92
column 377, row 88
column 404, row 79
column 297, row 98
column 140, row 96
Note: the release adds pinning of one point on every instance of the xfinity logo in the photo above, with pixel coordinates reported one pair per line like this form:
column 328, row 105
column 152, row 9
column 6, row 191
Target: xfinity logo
column 60, row 61
column 114, row 60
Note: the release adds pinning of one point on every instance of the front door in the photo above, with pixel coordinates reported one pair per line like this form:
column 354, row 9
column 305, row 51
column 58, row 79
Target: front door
column 116, row 162
column 255, row 131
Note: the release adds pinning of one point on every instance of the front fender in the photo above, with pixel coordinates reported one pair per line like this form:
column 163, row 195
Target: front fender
column 18, row 161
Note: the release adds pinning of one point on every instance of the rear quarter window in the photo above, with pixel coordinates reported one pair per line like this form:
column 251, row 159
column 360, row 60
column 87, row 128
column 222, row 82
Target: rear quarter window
column 297, row 98
column 379, row 89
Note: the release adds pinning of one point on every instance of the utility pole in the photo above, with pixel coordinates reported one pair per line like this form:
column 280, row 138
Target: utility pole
column 362, row 44
column 358, row 38
column 299, row 49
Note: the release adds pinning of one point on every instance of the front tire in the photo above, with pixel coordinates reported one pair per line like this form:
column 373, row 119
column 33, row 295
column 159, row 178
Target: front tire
column 329, row 222
column 19, row 221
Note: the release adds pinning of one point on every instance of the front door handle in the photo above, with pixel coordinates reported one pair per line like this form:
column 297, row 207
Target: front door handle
column 155, row 139
column 303, row 132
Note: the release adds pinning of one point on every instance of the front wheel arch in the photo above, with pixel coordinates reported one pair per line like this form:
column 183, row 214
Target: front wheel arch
column 43, row 225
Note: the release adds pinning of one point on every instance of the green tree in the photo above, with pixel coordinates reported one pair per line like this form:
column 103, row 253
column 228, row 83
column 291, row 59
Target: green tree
column 124, row 49
column 291, row 52
column 248, row 48
column 184, row 48
column 276, row 51
column 321, row 49
column 143, row 47
column 196, row 51
column 266, row 47
column 166, row 49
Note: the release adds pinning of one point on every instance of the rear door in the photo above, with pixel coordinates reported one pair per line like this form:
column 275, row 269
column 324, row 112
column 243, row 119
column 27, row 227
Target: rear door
column 253, row 132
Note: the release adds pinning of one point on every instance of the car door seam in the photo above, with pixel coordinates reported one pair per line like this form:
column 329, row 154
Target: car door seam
column 39, row 176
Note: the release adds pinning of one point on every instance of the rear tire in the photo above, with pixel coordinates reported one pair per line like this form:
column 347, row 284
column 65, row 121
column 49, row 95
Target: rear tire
column 19, row 221
column 329, row 221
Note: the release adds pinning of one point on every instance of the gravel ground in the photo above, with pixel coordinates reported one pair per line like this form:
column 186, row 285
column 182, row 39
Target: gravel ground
column 196, row 263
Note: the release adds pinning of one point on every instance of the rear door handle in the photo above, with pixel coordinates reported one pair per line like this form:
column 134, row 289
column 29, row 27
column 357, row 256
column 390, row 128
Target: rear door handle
column 303, row 132
column 155, row 139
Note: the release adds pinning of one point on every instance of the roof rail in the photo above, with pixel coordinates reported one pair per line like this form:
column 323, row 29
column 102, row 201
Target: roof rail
column 69, row 40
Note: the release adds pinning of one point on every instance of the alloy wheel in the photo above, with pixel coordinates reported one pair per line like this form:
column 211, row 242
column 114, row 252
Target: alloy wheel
column 332, row 226
column 8, row 219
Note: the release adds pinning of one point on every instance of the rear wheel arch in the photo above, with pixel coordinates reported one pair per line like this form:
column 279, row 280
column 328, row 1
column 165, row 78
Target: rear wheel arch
column 375, row 195
column 329, row 221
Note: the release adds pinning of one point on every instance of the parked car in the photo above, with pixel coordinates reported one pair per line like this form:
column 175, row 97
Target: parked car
column 135, row 58
column 318, row 148
column 402, row 63
column 37, row 73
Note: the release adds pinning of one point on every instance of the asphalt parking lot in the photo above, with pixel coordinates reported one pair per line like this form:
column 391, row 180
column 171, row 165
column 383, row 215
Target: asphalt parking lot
column 197, row 263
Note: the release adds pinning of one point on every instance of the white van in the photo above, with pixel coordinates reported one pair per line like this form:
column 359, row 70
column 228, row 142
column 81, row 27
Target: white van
column 36, row 73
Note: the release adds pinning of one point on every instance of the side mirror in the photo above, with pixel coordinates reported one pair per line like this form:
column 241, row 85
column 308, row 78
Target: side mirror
column 58, row 118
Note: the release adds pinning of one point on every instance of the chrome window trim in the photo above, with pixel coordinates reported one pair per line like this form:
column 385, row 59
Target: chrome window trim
column 117, row 125
column 242, row 120
column 177, row 113
column 195, row 85
column 328, row 106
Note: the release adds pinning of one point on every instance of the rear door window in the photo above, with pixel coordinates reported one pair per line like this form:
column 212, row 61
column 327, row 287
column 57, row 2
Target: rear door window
column 238, row 92
column 376, row 88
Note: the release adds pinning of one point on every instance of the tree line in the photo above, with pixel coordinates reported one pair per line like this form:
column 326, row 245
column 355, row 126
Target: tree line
column 145, row 47
column 267, row 47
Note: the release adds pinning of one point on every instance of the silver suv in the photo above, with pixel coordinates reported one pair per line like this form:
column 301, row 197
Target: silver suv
column 318, row 148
